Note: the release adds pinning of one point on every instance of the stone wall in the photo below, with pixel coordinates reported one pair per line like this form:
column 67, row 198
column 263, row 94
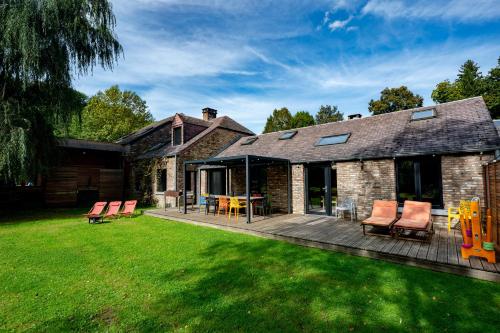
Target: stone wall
column 298, row 189
column 463, row 178
column 169, row 164
column 366, row 181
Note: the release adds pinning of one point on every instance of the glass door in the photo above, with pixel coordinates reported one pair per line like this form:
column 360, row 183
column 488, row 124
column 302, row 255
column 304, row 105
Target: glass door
column 319, row 189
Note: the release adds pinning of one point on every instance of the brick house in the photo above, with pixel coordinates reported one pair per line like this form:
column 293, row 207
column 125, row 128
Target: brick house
column 430, row 154
column 167, row 143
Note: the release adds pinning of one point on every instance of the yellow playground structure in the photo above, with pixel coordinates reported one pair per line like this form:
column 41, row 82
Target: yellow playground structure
column 476, row 243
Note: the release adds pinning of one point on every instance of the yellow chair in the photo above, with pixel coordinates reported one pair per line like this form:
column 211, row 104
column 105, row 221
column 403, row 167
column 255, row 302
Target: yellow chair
column 234, row 203
column 455, row 212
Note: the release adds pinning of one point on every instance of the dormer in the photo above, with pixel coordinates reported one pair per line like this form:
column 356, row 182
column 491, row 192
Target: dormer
column 177, row 131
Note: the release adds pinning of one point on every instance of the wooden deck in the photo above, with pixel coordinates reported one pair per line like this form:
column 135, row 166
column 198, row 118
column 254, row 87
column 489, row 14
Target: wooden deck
column 441, row 254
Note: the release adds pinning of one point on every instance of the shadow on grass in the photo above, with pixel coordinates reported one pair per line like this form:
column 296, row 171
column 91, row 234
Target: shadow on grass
column 268, row 286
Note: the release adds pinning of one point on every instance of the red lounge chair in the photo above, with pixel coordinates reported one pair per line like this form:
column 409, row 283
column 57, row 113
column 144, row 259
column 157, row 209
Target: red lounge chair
column 417, row 216
column 96, row 212
column 128, row 208
column 113, row 209
column 384, row 214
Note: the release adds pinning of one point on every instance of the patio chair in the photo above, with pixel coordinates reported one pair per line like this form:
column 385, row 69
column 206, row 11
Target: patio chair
column 95, row 213
column 384, row 215
column 128, row 208
column 113, row 210
column 203, row 202
column 260, row 206
column 223, row 205
column 211, row 201
column 416, row 217
column 346, row 205
column 236, row 205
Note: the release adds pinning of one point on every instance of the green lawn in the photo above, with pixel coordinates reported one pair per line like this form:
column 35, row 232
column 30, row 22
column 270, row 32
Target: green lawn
column 59, row 273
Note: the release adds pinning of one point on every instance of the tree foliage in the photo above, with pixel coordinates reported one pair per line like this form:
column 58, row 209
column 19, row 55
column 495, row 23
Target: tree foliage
column 279, row 120
column 42, row 45
column 302, row 119
column 470, row 83
column 328, row 114
column 111, row 114
column 395, row 99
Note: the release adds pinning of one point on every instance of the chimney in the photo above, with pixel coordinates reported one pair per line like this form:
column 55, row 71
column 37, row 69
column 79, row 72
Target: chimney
column 354, row 116
column 209, row 114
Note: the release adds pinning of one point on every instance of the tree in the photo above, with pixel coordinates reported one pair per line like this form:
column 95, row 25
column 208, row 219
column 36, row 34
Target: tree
column 469, row 80
column 302, row 119
column 328, row 114
column 446, row 92
column 492, row 91
column 42, row 45
column 281, row 119
column 395, row 99
column 111, row 114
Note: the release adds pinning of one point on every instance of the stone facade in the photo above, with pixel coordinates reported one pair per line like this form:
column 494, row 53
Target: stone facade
column 167, row 163
column 463, row 178
column 366, row 181
column 298, row 189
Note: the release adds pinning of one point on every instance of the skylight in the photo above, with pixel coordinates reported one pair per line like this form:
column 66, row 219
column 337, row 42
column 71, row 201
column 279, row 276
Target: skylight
column 424, row 114
column 288, row 135
column 249, row 141
column 333, row 139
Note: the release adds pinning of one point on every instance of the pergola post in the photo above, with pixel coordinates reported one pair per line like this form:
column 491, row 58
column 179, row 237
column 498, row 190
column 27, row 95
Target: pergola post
column 184, row 192
column 247, row 185
column 289, row 181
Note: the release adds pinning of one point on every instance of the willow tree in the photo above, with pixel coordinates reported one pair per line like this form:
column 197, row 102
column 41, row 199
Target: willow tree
column 43, row 45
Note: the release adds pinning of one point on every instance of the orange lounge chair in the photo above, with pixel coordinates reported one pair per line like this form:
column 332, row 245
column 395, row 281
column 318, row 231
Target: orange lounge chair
column 417, row 216
column 113, row 209
column 384, row 214
column 95, row 212
column 128, row 208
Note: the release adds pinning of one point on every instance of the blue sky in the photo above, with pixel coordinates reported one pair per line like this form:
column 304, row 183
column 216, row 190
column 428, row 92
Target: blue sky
column 245, row 58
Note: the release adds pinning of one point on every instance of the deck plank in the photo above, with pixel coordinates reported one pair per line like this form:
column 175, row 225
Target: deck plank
column 444, row 248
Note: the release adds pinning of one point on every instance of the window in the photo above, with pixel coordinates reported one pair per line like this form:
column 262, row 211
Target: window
column 161, row 180
column 424, row 114
column 288, row 135
column 420, row 179
column 333, row 139
column 249, row 141
column 177, row 136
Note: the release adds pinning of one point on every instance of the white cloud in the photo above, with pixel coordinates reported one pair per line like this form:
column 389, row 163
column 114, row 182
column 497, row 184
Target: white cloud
column 339, row 24
column 462, row 10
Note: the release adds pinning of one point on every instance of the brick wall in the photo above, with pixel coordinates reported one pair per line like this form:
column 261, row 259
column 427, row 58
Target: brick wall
column 277, row 186
column 365, row 182
column 463, row 178
column 298, row 189
column 237, row 181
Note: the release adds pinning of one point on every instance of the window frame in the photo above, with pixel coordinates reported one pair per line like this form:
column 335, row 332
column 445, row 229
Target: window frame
column 288, row 135
column 249, row 141
column 417, row 178
column 319, row 144
column 180, row 128
column 433, row 110
column 159, row 178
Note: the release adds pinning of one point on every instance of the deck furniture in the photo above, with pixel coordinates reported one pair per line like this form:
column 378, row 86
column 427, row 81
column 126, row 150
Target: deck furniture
column 113, row 210
column 212, row 201
column 128, row 208
column 416, row 217
column 260, row 206
column 345, row 205
column 95, row 212
column 384, row 215
column 223, row 205
column 235, row 203
column 203, row 202
column 172, row 194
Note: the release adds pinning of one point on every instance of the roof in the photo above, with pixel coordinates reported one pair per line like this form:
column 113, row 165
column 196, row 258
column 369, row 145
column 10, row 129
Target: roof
column 221, row 122
column 225, row 122
column 90, row 145
column 460, row 126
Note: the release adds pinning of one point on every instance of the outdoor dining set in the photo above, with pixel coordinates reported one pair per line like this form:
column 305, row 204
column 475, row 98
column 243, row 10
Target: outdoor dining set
column 260, row 204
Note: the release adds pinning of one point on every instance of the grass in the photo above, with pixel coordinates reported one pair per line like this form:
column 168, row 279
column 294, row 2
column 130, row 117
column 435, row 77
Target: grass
column 59, row 273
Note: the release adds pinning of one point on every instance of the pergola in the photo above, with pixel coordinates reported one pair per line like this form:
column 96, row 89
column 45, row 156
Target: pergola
column 247, row 161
